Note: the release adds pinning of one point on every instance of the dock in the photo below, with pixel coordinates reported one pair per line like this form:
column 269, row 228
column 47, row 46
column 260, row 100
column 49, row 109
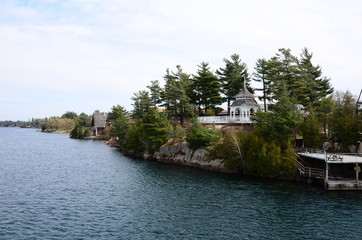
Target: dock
column 335, row 171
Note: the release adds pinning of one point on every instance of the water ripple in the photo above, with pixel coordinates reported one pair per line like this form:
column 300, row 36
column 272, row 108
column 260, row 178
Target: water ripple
column 53, row 187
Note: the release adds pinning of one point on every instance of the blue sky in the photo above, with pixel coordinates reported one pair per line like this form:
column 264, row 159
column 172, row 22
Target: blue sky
column 82, row 55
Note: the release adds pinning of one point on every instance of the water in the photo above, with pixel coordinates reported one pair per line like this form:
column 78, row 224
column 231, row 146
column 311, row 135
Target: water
column 53, row 187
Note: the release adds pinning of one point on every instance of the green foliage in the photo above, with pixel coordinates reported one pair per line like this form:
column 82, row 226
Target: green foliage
column 345, row 125
column 148, row 134
column 261, row 75
column 156, row 129
column 176, row 95
column 155, row 91
column 200, row 136
column 179, row 132
column 252, row 153
column 80, row 132
column 302, row 79
column 84, row 120
column 324, row 114
column 311, row 129
column 207, row 88
column 58, row 125
column 70, row 115
column 279, row 125
column 117, row 112
column 232, row 77
column 142, row 103
column 120, row 129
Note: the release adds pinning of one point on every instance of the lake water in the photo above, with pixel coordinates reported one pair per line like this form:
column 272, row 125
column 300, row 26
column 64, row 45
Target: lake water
column 54, row 187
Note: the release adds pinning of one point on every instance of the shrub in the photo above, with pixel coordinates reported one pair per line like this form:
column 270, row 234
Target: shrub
column 199, row 136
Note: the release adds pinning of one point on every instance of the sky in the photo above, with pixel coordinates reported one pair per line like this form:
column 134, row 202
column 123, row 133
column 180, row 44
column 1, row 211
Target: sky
column 83, row 55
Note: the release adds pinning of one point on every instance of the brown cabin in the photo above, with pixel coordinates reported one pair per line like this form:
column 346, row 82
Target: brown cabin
column 99, row 123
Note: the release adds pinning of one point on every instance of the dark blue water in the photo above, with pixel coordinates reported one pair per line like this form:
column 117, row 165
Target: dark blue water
column 53, row 187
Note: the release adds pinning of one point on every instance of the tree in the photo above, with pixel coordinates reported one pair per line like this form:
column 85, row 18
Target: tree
column 317, row 87
column 232, row 77
column 302, row 79
column 142, row 103
column 200, row 136
column 261, row 75
column 311, row 129
column 149, row 133
column 324, row 114
column 176, row 95
column 279, row 124
column 117, row 112
column 155, row 92
column 70, row 115
column 121, row 125
column 207, row 88
column 345, row 125
column 84, row 120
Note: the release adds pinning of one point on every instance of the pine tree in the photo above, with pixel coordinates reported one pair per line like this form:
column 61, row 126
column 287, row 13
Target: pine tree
column 142, row 103
column 207, row 88
column 155, row 92
column 176, row 94
column 316, row 87
column 345, row 124
column 232, row 77
column 261, row 75
column 302, row 79
column 279, row 124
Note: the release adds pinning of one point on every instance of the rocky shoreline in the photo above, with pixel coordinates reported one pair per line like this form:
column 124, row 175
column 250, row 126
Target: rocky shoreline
column 179, row 153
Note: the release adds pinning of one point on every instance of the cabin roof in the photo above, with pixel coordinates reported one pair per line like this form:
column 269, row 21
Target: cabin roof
column 99, row 119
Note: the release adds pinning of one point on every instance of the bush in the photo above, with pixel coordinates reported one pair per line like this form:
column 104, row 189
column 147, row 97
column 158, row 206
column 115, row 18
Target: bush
column 199, row 136
column 254, row 154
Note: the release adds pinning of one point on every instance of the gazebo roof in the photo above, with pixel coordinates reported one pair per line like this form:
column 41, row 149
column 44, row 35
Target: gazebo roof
column 248, row 101
column 244, row 93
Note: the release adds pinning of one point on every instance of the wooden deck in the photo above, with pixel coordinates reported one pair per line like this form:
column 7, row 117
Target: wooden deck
column 338, row 171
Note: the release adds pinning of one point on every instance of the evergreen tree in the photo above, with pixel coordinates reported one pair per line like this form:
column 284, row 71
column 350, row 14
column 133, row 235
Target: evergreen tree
column 121, row 125
column 345, row 124
column 324, row 114
column 155, row 92
column 279, row 124
column 311, row 129
column 117, row 112
column 315, row 87
column 232, row 77
column 142, row 103
column 207, row 88
column 147, row 135
column 302, row 79
column 261, row 75
column 84, row 120
column 176, row 95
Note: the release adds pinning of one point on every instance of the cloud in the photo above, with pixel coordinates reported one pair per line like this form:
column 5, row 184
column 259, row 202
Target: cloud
column 105, row 50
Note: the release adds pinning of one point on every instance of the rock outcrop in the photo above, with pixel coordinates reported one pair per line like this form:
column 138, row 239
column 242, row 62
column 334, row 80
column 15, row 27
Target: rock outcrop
column 177, row 152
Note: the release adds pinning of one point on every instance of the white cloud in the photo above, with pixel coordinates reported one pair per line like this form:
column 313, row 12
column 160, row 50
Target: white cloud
column 113, row 48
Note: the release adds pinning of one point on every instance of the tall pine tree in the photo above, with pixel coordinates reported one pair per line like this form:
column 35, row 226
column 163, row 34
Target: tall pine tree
column 232, row 77
column 207, row 88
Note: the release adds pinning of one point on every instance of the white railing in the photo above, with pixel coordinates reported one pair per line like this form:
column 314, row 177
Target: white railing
column 223, row 120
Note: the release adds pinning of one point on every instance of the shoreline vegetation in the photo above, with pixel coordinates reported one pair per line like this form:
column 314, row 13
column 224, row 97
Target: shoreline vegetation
column 163, row 124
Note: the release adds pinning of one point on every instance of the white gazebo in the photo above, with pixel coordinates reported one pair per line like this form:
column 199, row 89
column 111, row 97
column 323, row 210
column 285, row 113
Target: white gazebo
column 241, row 110
column 243, row 107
